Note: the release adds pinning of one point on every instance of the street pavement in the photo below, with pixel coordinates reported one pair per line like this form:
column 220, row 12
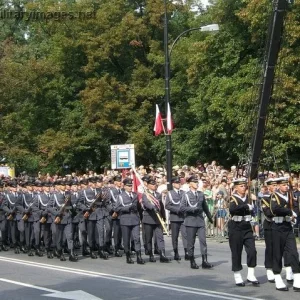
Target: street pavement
column 23, row 277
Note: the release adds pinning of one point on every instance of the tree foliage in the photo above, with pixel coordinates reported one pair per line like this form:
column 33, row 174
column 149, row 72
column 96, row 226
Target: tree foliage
column 72, row 86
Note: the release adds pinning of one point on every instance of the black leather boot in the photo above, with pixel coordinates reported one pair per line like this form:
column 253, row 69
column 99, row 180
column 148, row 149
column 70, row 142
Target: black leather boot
column 193, row 263
column 205, row 263
column 108, row 249
column 151, row 256
column 139, row 259
column 3, row 247
column 39, row 253
column 163, row 258
column 128, row 258
column 61, row 255
column 186, row 256
column 30, row 252
column 85, row 252
column 117, row 252
column 17, row 249
column 102, row 254
column 23, row 248
column 55, row 253
column 72, row 256
column 93, row 255
column 49, row 254
column 176, row 255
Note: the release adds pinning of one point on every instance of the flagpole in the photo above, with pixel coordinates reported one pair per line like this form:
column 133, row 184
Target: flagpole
column 167, row 99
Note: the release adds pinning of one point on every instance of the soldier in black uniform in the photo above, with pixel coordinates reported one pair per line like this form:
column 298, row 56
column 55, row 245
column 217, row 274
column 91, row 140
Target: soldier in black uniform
column 176, row 217
column 241, row 234
column 193, row 204
column 284, row 208
column 3, row 221
column 151, row 221
column 127, row 208
column 267, row 225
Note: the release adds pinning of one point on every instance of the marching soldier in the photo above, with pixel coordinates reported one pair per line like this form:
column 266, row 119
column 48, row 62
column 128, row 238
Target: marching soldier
column 241, row 234
column 87, row 200
column 13, row 209
column 267, row 225
column 127, row 208
column 115, row 191
column 103, row 208
column 152, row 203
column 42, row 221
column 284, row 208
column 176, row 217
column 193, row 204
column 3, row 221
column 59, row 206
column 28, row 200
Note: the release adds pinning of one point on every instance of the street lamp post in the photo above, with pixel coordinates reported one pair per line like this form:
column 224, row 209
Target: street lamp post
column 167, row 52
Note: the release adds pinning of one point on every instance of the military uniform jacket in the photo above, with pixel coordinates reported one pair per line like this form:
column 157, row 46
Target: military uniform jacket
column 54, row 206
column 238, row 206
column 28, row 200
column 12, row 205
column 87, row 198
column 149, row 214
column 77, row 212
column 2, row 211
column 39, row 206
column 114, row 193
column 193, row 206
column 173, row 205
column 280, row 207
column 127, row 208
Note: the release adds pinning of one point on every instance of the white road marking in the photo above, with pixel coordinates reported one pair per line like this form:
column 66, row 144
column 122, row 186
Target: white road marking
column 71, row 295
column 130, row 280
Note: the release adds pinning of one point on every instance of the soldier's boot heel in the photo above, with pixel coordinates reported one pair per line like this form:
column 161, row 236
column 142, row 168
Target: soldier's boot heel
column 139, row 259
column 30, row 252
column 72, row 256
column 163, row 258
column 128, row 258
column 205, row 263
column 39, row 253
column 176, row 255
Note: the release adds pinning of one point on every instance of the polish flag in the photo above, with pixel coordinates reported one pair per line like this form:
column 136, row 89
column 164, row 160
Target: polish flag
column 158, row 129
column 170, row 124
column 137, row 186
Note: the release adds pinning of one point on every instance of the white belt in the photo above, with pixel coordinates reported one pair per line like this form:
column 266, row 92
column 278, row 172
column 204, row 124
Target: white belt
column 282, row 219
column 241, row 218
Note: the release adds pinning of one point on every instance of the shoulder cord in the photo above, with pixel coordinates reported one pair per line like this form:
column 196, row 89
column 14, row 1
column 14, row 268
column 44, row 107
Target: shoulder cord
column 171, row 198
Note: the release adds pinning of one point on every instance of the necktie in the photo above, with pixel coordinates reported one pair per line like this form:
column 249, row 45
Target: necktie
column 130, row 195
column 178, row 193
column 119, row 191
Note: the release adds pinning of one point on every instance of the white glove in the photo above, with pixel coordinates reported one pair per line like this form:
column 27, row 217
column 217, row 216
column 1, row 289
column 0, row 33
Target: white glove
column 294, row 214
column 250, row 207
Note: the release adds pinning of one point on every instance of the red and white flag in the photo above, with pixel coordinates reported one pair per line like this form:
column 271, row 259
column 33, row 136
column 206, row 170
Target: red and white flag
column 158, row 128
column 137, row 186
column 170, row 124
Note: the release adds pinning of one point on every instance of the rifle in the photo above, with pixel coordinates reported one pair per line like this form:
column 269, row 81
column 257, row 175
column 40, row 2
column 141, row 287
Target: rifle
column 291, row 196
column 102, row 195
column 26, row 215
column 152, row 202
column 62, row 210
column 11, row 216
